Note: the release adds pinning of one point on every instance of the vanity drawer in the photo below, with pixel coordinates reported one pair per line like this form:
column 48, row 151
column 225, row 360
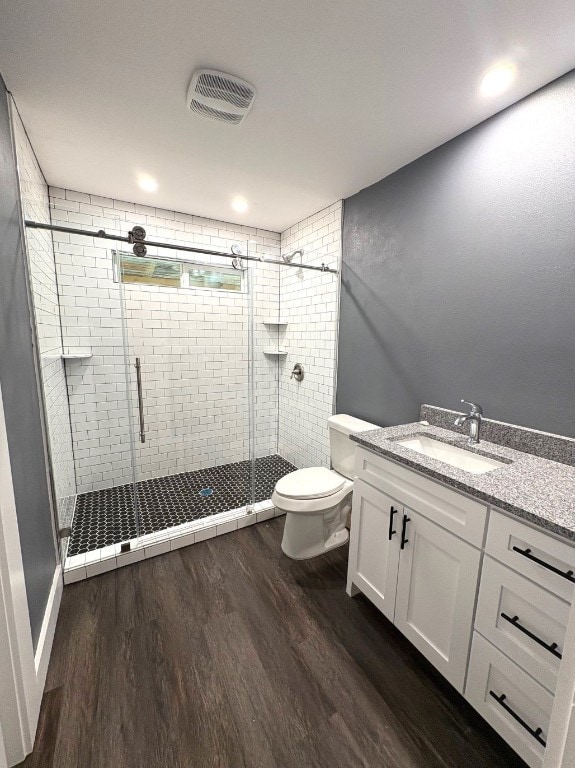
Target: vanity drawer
column 449, row 509
column 546, row 560
column 523, row 620
column 510, row 700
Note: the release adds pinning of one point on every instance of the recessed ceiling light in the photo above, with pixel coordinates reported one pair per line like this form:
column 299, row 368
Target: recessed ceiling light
column 498, row 79
column 240, row 204
column 147, row 183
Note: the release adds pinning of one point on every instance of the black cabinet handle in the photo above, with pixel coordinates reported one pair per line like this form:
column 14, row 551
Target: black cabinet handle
column 404, row 541
column 536, row 733
column 392, row 513
column 528, row 554
column 551, row 648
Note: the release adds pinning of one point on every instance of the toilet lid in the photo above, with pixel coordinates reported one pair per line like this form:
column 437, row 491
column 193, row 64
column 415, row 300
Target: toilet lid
column 311, row 483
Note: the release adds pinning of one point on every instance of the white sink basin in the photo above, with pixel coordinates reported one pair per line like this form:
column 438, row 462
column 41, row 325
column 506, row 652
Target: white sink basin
column 450, row 454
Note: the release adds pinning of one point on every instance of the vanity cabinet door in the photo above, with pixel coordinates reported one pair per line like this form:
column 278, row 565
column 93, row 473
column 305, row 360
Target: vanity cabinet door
column 374, row 546
column 436, row 591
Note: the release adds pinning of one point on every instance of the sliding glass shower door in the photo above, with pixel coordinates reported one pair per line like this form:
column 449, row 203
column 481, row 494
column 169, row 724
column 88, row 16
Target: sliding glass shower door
column 100, row 400
column 188, row 362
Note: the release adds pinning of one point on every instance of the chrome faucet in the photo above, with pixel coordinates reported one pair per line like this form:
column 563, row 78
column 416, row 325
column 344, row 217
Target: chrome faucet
column 473, row 418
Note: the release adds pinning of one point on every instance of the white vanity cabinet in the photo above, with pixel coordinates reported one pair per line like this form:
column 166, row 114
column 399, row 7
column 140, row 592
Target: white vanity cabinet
column 483, row 595
column 406, row 559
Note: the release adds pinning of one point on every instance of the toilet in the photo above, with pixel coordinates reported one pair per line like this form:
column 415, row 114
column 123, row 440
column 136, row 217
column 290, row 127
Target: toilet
column 317, row 500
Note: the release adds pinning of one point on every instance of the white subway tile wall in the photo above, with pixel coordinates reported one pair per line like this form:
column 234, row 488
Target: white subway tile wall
column 193, row 344
column 309, row 303
column 44, row 291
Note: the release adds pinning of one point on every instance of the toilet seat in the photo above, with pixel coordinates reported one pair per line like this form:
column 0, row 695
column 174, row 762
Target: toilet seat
column 315, row 505
column 310, row 483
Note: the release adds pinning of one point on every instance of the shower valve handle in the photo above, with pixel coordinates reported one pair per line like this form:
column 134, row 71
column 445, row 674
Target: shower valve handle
column 298, row 372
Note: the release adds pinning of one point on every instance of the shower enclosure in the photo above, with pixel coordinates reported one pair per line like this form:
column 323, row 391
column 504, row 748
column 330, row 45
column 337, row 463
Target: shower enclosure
column 183, row 411
column 186, row 447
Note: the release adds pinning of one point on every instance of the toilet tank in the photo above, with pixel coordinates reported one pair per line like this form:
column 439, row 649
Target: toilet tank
column 342, row 449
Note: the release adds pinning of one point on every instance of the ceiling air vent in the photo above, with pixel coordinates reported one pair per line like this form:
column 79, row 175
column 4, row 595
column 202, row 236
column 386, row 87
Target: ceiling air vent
column 219, row 96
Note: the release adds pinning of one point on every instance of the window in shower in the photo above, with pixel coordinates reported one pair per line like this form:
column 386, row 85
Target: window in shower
column 177, row 274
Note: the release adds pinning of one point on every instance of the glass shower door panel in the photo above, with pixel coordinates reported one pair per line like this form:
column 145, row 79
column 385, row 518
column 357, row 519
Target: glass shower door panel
column 187, row 325
column 100, row 412
column 271, row 364
column 268, row 364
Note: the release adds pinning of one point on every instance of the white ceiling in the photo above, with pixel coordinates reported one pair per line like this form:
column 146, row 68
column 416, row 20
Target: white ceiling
column 348, row 91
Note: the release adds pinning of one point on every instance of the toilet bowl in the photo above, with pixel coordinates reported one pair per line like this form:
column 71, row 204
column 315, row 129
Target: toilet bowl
column 316, row 500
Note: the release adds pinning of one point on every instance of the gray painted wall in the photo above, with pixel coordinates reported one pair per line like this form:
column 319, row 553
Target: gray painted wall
column 20, row 392
column 459, row 275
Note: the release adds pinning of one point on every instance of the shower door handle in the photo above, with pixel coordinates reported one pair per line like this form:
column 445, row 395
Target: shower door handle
column 140, row 401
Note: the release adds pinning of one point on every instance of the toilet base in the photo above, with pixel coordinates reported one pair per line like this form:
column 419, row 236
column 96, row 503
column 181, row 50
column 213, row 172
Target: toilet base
column 337, row 540
column 310, row 535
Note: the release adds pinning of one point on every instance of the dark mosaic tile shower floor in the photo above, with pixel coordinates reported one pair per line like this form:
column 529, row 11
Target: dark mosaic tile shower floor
column 107, row 517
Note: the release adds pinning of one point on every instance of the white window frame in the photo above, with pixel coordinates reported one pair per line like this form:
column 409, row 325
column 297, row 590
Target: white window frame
column 117, row 255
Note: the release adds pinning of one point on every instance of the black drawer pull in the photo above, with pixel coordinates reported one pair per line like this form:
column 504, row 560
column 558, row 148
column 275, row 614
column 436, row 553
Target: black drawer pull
column 527, row 553
column 535, row 733
column 392, row 512
column 404, row 541
column 551, row 648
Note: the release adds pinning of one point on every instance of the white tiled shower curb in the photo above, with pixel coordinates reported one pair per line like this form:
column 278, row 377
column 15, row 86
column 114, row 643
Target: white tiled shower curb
column 80, row 567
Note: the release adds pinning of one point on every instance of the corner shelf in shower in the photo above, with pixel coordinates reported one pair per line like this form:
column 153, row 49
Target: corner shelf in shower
column 274, row 321
column 77, row 354
column 276, row 352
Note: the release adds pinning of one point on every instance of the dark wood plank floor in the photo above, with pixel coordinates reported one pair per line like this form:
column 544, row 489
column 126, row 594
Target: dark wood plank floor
column 229, row 655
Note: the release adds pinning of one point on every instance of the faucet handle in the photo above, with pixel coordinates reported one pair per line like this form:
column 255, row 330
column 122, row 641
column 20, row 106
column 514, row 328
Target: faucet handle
column 476, row 409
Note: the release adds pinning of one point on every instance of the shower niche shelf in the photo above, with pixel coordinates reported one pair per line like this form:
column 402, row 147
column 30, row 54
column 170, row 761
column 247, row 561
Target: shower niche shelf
column 274, row 321
column 276, row 352
column 77, row 354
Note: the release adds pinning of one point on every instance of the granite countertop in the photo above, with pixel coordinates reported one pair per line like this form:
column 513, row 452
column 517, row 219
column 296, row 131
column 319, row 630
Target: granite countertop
column 535, row 489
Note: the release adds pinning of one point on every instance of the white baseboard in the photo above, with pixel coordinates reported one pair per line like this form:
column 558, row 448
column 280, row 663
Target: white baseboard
column 46, row 638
